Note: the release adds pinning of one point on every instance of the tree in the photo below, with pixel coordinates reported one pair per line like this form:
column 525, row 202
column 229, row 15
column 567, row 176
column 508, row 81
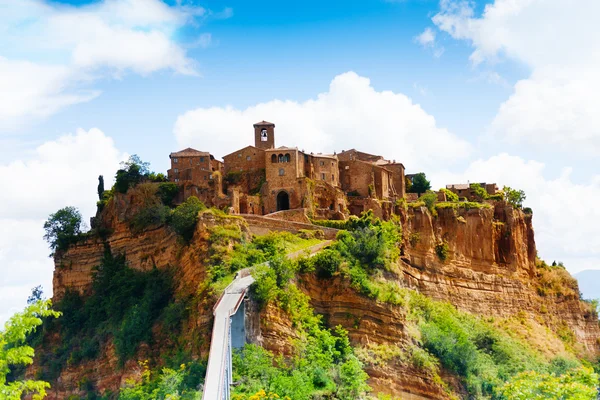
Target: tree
column 131, row 173
column 100, row 187
column 36, row 295
column 13, row 350
column 62, row 228
column 514, row 197
column 420, row 184
column 479, row 192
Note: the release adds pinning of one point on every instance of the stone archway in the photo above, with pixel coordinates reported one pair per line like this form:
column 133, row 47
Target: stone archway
column 283, row 201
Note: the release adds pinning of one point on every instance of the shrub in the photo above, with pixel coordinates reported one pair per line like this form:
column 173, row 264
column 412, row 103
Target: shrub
column 442, row 250
column 479, row 192
column 62, row 228
column 429, row 199
column 184, row 218
column 450, row 195
column 149, row 216
column 167, row 192
column 327, row 263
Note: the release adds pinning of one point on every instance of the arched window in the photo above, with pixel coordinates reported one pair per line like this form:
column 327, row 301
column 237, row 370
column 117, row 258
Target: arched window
column 287, row 157
column 281, row 159
column 273, row 158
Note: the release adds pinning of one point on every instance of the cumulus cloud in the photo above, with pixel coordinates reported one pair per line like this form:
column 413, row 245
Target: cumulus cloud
column 351, row 113
column 62, row 170
column 560, row 43
column 566, row 230
column 50, row 51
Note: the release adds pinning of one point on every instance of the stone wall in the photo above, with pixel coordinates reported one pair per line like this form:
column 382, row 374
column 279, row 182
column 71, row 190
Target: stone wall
column 247, row 159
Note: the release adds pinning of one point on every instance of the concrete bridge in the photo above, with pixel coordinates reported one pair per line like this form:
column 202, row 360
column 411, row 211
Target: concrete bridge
column 228, row 331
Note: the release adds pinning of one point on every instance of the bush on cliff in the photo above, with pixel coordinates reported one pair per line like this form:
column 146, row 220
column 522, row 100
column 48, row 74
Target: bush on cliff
column 184, row 218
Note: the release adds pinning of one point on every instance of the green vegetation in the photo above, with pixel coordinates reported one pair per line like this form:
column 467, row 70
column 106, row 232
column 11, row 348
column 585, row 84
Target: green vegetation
column 442, row 250
column 171, row 384
column 63, row 229
column 429, row 199
column 514, row 197
column 167, row 191
column 450, row 196
column 578, row 384
column 323, row 363
column 14, row 352
column 184, row 217
column 491, row 362
column 100, row 187
column 478, row 191
column 466, row 205
column 419, row 184
column 131, row 173
column 123, row 306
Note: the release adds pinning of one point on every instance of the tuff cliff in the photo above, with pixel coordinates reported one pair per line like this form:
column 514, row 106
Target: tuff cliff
column 482, row 260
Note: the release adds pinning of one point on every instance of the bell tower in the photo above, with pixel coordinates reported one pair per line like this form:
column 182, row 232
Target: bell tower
column 264, row 135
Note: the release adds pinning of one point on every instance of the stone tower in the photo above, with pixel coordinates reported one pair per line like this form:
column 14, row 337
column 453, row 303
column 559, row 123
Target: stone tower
column 264, row 135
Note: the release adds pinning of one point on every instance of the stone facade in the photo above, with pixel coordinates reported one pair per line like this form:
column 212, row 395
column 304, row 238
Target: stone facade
column 464, row 189
column 264, row 179
column 193, row 166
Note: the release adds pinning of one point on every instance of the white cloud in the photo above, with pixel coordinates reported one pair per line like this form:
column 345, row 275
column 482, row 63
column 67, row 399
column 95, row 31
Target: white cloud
column 66, row 169
column 49, row 51
column 559, row 41
column 351, row 114
column 565, row 215
column 427, row 40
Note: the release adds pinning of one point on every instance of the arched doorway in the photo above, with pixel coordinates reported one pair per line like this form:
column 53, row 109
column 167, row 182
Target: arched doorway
column 283, row 201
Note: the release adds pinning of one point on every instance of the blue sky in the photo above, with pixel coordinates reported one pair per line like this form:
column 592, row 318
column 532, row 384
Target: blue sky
column 463, row 90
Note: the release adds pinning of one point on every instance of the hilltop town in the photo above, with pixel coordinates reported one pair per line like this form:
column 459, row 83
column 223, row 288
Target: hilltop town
column 263, row 179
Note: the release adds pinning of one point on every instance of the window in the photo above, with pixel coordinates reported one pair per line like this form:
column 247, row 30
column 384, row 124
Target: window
column 287, row 158
column 175, row 160
column 281, row 172
column 248, row 158
column 322, row 163
column 240, row 155
column 210, row 176
column 322, row 177
column 176, row 179
column 201, row 159
column 176, row 170
column 280, row 158
column 332, row 178
column 332, row 164
column 205, row 178
column 274, row 158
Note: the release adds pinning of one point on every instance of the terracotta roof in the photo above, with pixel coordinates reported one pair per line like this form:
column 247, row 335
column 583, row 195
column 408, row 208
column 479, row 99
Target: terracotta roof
column 263, row 122
column 243, row 148
column 189, row 152
column 458, row 186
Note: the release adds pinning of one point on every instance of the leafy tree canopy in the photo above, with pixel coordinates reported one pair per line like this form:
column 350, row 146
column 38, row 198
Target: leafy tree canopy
column 420, row 184
column 14, row 351
column 62, row 228
column 514, row 197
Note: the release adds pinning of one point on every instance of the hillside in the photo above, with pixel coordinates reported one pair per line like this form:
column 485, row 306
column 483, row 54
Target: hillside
column 446, row 302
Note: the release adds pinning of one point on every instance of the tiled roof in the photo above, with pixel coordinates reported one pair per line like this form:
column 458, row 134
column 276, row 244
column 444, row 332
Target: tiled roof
column 242, row 149
column 458, row 186
column 263, row 122
column 189, row 152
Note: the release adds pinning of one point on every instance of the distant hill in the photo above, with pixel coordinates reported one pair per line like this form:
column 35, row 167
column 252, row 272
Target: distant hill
column 589, row 283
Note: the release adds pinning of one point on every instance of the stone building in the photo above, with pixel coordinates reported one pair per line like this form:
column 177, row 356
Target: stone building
column 193, row 166
column 465, row 190
column 264, row 179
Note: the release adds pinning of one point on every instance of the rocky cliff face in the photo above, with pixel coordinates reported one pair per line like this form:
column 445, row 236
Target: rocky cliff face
column 489, row 268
